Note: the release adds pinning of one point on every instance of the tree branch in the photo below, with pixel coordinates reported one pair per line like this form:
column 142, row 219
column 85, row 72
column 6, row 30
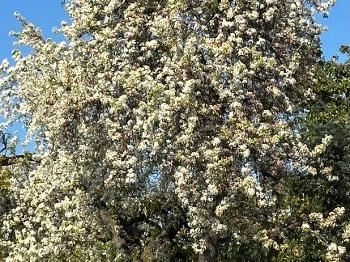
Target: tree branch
column 11, row 160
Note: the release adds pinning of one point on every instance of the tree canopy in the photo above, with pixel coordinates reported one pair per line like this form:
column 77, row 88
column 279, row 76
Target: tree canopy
column 188, row 130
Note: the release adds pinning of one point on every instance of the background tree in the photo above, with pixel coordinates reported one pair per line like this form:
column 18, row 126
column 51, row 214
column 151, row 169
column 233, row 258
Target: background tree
column 329, row 114
column 168, row 133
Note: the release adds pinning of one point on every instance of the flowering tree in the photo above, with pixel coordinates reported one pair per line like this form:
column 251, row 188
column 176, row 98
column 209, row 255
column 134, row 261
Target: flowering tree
column 167, row 131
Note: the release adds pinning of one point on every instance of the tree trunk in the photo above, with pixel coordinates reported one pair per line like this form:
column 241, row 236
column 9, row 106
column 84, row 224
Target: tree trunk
column 209, row 255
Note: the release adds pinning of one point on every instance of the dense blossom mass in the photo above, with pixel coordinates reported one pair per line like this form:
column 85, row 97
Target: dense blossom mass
column 169, row 131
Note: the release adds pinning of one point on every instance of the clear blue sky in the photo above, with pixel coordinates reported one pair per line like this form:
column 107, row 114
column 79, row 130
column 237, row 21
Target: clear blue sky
column 338, row 24
column 48, row 14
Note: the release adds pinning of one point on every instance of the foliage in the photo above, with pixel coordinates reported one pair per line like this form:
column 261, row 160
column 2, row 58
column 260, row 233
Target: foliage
column 329, row 114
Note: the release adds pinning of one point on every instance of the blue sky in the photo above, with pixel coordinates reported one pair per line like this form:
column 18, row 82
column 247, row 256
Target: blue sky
column 50, row 13
column 338, row 24
column 44, row 14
